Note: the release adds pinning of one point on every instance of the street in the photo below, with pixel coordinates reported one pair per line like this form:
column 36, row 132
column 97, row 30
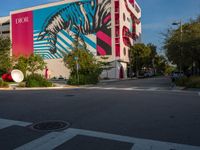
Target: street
column 144, row 114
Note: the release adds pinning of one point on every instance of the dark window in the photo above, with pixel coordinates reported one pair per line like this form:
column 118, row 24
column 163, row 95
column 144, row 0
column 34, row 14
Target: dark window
column 6, row 23
column 5, row 32
column 124, row 16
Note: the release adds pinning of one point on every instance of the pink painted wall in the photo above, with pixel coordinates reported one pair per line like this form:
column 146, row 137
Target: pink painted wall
column 22, row 34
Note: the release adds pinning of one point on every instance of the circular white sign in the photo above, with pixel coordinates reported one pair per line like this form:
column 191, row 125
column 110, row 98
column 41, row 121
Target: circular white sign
column 17, row 75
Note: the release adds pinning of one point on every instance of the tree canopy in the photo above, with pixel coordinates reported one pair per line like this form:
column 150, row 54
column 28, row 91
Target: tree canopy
column 183, row 49
column 30, row 64
column 84, row 67
column 139, row 56
column 5, row 59
column 145, row 57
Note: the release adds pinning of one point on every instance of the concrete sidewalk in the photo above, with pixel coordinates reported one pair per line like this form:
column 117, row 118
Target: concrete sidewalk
column 55, row 87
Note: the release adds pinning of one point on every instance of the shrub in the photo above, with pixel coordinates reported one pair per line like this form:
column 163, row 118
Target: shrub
column 194, row 82
column 22, row 84
column 3, row 84
column 90, row 78
column 36, row 80
column 181, row 81
column 191, row 82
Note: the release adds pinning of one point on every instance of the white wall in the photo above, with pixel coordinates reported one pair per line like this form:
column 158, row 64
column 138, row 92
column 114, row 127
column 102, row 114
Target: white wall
column 56, row 68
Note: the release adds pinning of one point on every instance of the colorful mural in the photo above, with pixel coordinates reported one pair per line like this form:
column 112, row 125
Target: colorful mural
column 53, row 29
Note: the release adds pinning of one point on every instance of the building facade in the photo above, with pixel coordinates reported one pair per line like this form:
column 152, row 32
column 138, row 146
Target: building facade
column 108, row 27
column 5, row 26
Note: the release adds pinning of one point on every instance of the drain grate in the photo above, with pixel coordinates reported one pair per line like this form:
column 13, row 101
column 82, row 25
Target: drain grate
column 52, row 125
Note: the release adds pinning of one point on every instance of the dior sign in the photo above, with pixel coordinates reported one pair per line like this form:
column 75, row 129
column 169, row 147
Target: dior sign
column 22, row 20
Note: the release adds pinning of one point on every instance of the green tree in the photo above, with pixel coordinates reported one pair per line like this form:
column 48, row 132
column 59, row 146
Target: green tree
column 5, row 59
column 152, row 55
column 84, row 67
column 35, row 63
column 22, row 64
column 161, row 64
column 184, row 51
column 139, row 57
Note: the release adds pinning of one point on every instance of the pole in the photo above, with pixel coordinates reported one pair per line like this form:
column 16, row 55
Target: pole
column 77, row 68
column 1, row 28
column 181, row 36
column 136, row 64
column 181, row 39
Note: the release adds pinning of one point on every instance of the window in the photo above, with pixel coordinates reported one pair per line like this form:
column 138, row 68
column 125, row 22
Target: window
column 5, row 32
column 6, row 23
column 124, row 16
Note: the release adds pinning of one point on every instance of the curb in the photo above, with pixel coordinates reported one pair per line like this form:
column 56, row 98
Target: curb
column 115, row 80
column 38, row 88
column 5, row 89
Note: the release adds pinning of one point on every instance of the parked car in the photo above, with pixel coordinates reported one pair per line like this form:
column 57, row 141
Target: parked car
column 176, row 75
column 148, row 74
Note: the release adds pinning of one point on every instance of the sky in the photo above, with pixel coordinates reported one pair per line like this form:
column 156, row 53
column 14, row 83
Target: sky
column 157, row 15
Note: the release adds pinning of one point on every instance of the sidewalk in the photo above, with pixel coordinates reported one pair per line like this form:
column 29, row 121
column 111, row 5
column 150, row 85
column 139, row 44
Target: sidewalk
column 55, row 87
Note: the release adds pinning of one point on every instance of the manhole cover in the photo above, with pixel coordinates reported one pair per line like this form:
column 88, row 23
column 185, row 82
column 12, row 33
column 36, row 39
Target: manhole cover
column 50, row 125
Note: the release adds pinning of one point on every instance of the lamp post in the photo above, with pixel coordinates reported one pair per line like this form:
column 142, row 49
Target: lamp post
column 181, row 39
column 1, row 29
column 77, row 68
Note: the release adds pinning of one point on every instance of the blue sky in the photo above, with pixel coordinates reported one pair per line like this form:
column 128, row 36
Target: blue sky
column 157, row 15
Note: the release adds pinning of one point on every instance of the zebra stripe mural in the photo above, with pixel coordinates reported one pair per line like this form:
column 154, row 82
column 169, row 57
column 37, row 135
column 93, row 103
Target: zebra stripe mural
column 54, row 28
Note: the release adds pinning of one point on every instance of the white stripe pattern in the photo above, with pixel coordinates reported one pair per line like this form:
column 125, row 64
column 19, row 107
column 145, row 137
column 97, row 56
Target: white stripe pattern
column 4, row 123
column 55, row 139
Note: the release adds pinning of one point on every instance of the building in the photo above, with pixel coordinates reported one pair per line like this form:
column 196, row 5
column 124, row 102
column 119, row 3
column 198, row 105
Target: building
column 5, row 26
column 108, row 27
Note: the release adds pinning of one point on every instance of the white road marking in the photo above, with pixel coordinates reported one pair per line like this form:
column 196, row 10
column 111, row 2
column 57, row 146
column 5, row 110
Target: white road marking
column 153, row 89
column 4, row 123
column 150, row 89
column 199, row 93
column 125, row 89
column 49, row 141
column 54, row 139
column 139, row 144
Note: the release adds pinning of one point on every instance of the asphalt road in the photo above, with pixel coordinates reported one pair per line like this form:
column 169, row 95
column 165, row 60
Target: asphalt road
column 112, row 116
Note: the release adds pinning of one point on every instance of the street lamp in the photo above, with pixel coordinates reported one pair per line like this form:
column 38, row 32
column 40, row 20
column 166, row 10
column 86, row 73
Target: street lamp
column 77, row 67
column 181, row 38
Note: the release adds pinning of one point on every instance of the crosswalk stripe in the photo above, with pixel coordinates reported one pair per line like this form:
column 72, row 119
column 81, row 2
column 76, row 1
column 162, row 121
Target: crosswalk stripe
column 150, row 89
column 153, row 89
column 124, row 89
column 55, row 139
column 4, row 123
column 139, row 144
column 49, row 141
